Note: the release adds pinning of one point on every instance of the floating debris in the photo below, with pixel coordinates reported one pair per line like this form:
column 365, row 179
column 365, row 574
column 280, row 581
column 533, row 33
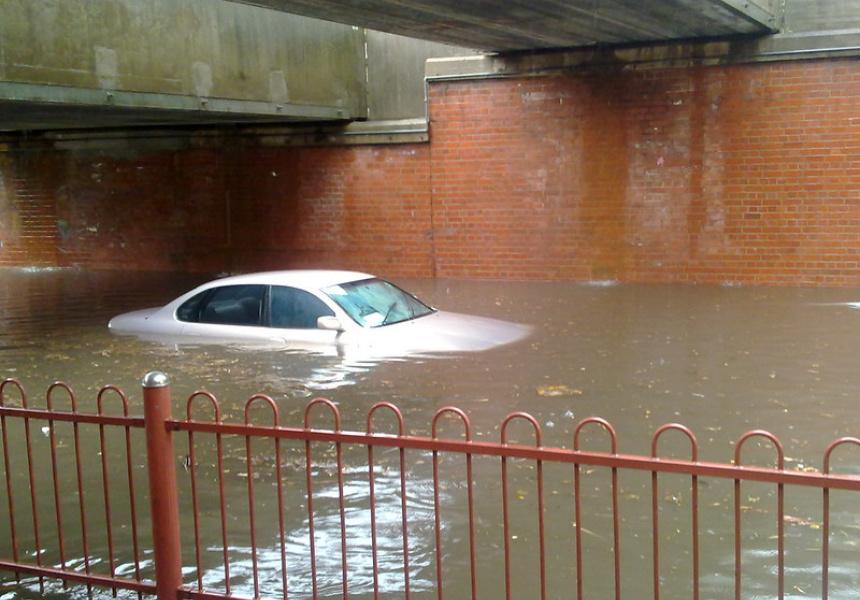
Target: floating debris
column 792, row 520
column 556, row 390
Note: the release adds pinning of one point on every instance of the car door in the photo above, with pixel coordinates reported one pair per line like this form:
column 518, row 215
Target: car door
column 293, row 315
column 229, row 311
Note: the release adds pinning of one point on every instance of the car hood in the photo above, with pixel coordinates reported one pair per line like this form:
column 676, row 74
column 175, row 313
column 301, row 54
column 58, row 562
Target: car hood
column 444, row 331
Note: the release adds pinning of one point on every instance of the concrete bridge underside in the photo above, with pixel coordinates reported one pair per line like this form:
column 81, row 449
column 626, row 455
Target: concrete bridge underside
column 149, row 63
column 130, row 63
column 534, row 24
column 145, row 63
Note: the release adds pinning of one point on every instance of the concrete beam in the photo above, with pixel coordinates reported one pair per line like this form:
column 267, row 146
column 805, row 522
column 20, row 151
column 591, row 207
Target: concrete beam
column 534, row 24
column 803, row 46
column 173, row 60
column 31, row 106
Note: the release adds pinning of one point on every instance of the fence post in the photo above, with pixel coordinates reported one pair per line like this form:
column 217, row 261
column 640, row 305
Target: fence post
column 163, row 497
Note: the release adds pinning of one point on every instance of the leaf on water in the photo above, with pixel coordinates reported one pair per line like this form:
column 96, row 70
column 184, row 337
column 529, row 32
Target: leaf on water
column 588, row 532
column 803, row 522
column 557, row 390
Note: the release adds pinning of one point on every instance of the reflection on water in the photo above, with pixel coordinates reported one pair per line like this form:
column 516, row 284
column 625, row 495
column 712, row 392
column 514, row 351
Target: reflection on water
column 721, row 360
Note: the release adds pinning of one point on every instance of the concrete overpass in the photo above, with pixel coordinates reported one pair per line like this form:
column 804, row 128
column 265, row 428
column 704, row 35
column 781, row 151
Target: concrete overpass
column 144, row 63
column 133, row 64
column 535, row 24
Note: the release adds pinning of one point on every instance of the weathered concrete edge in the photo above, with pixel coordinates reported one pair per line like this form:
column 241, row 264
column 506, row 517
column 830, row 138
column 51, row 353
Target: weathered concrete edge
column 753, row 12
column 779, row 47
column 405, row 131
column 402, row 131
column 66, row 95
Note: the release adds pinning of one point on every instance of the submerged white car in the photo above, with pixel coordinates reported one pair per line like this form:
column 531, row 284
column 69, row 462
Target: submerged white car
column 317, row 308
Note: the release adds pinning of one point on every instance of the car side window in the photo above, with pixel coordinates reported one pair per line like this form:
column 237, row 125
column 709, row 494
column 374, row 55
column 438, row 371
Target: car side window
column 296, row 309
column 190, row 309
column 233, row 305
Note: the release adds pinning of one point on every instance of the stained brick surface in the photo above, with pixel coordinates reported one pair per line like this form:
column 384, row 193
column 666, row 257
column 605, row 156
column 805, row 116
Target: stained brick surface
column 362, row 208
column 28, row 233
column 220, row 209
column 747, row 173
column 743, row 173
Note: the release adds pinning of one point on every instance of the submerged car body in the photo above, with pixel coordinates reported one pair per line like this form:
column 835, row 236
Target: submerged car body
column 312, row 309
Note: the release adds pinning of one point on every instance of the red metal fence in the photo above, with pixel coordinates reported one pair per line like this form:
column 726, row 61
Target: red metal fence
column 50, row 415
column 50, row 560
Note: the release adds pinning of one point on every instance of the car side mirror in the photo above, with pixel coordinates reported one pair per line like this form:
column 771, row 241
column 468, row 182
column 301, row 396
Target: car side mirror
column 329, row 323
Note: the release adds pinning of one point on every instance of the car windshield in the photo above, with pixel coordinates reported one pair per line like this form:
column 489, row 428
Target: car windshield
column 374, row 302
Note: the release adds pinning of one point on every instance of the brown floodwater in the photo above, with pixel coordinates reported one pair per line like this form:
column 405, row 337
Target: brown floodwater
column 721, row 360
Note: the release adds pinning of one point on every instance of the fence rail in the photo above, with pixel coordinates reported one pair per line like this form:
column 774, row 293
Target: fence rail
column 160, row 428
column 559, row 455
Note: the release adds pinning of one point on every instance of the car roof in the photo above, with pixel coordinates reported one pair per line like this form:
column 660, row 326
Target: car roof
column 308, row 278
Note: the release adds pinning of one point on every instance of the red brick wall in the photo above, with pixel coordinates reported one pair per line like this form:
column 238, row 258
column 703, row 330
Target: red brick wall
column 365, row 208
column 28, row 234
column 143, row 211
column 223, row 209
column 746, row 173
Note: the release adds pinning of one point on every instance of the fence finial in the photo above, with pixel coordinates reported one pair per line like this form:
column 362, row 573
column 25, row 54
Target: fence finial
column 155, row 379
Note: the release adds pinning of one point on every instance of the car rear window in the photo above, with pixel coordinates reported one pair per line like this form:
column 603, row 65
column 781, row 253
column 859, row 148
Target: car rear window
column 230, row 305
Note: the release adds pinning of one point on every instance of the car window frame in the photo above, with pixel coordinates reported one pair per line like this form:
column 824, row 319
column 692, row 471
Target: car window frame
column 207, row 297
column 268, row 307
column 266, row 313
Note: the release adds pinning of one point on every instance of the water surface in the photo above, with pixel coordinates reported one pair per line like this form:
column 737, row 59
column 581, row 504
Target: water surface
column 721, row 360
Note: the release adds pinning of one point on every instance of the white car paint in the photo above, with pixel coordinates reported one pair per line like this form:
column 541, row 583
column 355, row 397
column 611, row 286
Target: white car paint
column 440, row 331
